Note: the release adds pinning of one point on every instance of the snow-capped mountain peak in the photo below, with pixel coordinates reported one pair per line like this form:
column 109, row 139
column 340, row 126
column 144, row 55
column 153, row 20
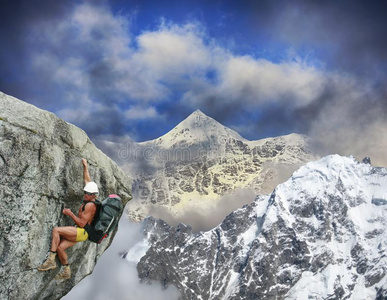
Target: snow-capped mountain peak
column 320, row 235
column 197, row 128
column 201, row 160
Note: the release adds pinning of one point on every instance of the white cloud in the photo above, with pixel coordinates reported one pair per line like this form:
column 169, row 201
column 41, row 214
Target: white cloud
column 100, row 28
column 203, row 215
column 172, row 61
column 119, row 276
column 93, row 57
column 174, row 51
column 256, row 81
column 140, row 113
column 82, row 108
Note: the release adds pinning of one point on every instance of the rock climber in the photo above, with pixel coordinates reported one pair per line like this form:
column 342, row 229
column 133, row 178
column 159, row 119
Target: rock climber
column 64, row 237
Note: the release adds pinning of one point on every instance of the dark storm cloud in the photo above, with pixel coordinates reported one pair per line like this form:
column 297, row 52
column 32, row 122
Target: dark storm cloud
column 53, row 60
column 344, row 34
column 352, row 125
column 16, row 17
column 74, row 59
column 108, row 120
column 356, row 31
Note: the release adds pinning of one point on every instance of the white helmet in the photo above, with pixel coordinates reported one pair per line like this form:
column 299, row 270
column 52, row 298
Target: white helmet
column 91, row 187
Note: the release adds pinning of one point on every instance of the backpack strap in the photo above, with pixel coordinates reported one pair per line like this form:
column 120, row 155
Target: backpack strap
column 98, row 205
column 96, row 202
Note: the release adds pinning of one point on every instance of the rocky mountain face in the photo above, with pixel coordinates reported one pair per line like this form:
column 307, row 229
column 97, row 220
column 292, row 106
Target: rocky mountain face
column 319, row 235
column 42, row 173
column 201, row 160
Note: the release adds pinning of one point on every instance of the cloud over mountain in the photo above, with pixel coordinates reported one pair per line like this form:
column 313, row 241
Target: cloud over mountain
column 277, row 71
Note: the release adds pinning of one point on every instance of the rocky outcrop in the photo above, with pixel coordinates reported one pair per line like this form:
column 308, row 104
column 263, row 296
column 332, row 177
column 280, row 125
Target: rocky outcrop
column 41, row 173
column 320, row 235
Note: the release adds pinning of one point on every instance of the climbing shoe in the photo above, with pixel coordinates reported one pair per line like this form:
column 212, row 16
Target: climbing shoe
column 49, row 264
column 64, row 274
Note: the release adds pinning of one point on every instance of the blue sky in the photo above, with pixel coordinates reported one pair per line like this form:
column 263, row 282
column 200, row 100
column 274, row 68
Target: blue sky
column 134, row 69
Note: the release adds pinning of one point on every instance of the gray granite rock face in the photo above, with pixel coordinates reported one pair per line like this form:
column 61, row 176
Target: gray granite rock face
column 41, row 173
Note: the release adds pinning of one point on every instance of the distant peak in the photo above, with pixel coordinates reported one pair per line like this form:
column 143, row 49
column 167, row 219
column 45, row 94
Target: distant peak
column 197, row 113
column 198, row 118
column 197, row 128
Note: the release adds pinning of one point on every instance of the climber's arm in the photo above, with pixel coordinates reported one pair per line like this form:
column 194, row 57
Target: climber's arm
column 84, row 217
column 86, row 175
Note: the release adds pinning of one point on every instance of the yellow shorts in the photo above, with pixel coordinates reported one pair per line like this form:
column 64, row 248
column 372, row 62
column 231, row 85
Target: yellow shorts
column 81, row 234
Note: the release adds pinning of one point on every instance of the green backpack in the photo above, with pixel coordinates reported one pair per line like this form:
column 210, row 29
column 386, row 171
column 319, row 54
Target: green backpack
column 106, row 218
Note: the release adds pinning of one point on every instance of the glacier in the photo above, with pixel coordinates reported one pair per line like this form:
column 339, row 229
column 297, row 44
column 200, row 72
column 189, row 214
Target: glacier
column 319, row 235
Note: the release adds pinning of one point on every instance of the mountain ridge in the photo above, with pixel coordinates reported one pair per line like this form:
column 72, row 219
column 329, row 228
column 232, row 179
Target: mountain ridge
column 319, row 235
column 200, row 161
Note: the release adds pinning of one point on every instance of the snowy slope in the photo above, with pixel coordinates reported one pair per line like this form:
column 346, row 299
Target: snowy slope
column 200, row 160
column 320, row 235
